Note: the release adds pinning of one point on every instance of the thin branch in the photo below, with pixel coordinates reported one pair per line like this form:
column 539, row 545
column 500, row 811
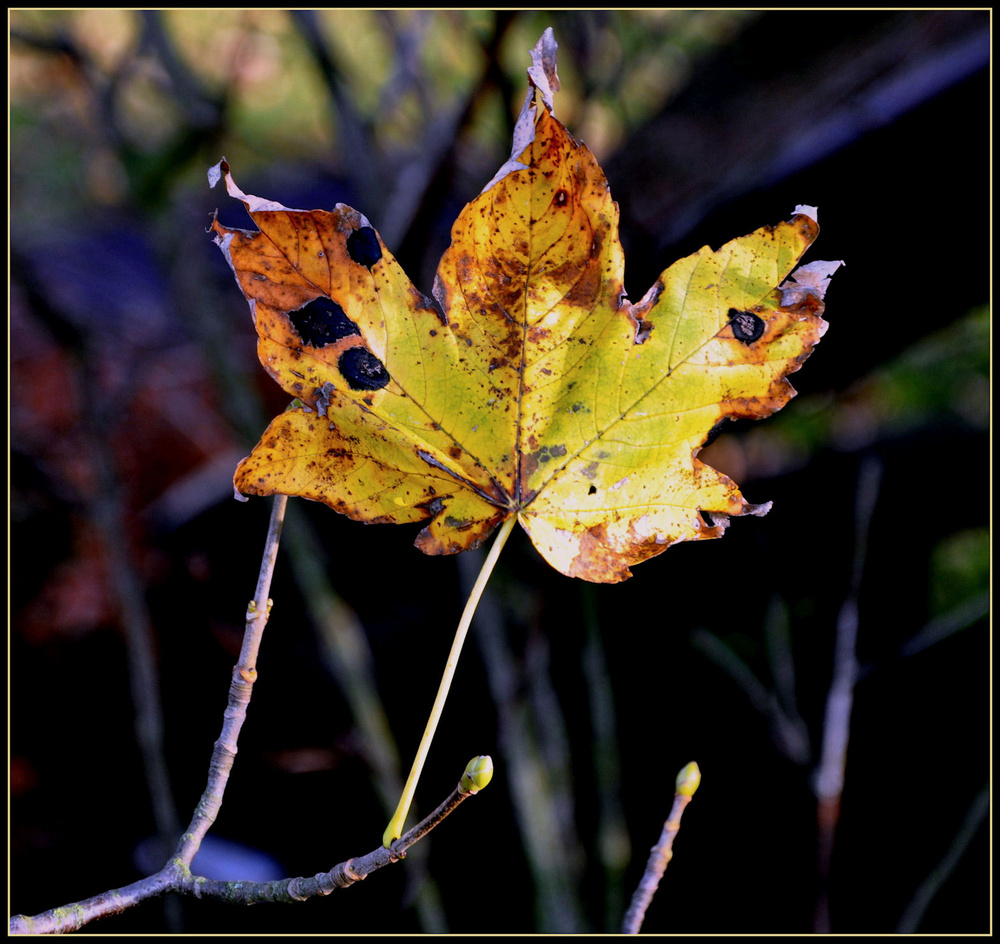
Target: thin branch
column 342, row 875
column 828, row 779
column 974, row 818
column 74, row 916
column 789, row 732
column 782, row 663
column 942, row 627
column 244, row 675
column 660, row 855
column 730, row 662
column 174, row 877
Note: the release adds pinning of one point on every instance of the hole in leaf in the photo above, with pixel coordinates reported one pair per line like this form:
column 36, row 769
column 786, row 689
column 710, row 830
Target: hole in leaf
column 747, row 327
column 322, row 322
column 713, row 433
column 707, row 518
column 362, row 370
column 363, row 247
column 592, row 490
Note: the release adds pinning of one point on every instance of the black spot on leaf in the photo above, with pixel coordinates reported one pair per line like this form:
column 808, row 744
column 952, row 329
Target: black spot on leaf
column 322, row 322
column 362, row 370
column 363, row 247
column 747, row 327
column 592, row 490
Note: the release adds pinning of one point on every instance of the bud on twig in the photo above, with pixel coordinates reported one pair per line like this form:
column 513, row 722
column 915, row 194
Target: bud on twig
column 478, row 774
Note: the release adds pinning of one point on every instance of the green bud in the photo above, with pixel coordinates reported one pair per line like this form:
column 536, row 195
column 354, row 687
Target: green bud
column 478, row 773
column 688, row 779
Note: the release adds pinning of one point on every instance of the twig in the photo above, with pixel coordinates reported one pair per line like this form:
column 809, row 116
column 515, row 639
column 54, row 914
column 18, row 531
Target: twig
column 828, row 779
column 660, row 855
column 793, row 732
column 963, row 616
column 966, row 614
column 174, row 877
column 923, row 896
column 352, row 870
column 244, row 675
column 788, row 731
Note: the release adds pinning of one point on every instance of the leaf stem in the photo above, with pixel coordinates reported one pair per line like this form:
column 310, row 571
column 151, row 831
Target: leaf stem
column 395, row 828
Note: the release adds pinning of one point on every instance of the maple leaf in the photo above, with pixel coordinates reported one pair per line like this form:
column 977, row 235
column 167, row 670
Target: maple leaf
column 528, row 384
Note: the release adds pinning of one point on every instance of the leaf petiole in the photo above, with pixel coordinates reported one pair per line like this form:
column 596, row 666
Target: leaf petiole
column 395, row 828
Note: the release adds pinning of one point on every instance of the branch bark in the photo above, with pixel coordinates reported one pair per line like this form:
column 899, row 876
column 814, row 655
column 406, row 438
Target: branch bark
column 660, row 855
column 176, row 877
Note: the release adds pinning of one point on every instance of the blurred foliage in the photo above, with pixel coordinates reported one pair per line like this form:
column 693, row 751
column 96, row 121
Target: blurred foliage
column 960, row 569
column 101, row 100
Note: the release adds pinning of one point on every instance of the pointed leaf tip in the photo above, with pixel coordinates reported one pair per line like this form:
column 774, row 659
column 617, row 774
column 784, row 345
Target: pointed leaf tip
column 543, row 78
column 543, row 66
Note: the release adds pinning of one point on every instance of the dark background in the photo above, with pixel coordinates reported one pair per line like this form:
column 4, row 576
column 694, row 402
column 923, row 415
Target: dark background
column 135, row 389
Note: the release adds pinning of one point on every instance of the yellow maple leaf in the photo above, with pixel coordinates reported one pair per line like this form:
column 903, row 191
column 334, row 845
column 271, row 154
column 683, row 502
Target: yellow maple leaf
column 528, row 384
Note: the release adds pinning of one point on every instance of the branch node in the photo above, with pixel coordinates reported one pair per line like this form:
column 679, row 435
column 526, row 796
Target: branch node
column 351, row 874
column 296, row 893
